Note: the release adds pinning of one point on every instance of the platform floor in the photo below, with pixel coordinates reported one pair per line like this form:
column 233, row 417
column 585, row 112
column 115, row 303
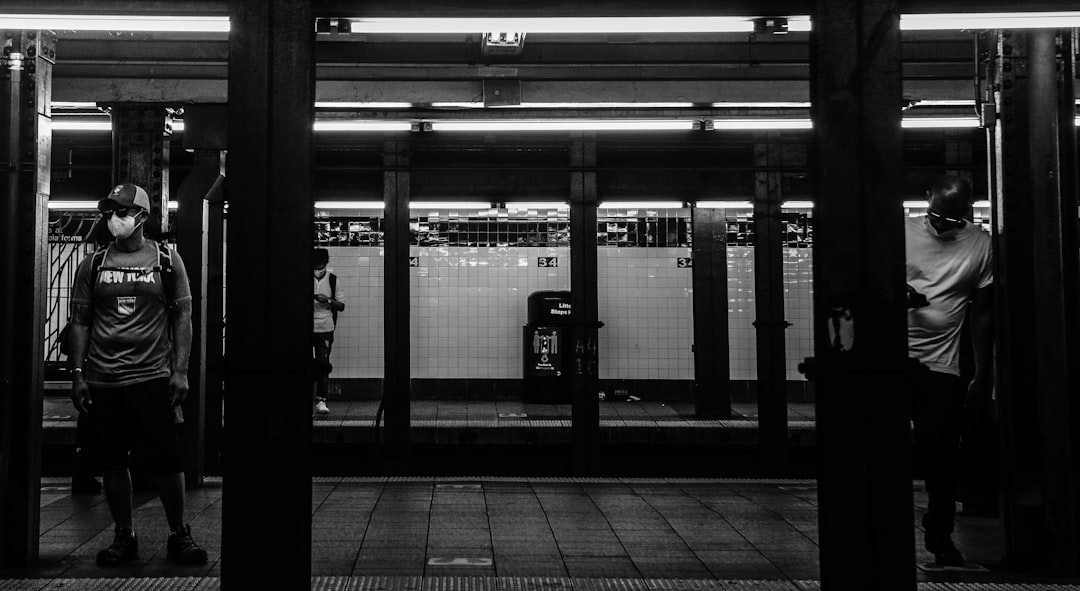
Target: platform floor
column 646, row 534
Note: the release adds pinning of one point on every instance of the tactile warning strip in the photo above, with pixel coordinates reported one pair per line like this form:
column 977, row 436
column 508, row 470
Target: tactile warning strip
column 413, row 583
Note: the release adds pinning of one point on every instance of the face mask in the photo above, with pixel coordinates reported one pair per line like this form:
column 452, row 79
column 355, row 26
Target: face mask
column 946, row 235
column 122, row 227
column 320, row 273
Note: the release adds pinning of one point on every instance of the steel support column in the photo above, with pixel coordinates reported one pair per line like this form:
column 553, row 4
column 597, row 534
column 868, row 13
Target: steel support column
column 397, row 393
column 863, row 432
column 25, row 150
column 1036, row 272
column 585, row 432
column 770, row 323
column 267, row 464
column 712, row 363
column 141, row 156
column 199, row 238
column 192, row 224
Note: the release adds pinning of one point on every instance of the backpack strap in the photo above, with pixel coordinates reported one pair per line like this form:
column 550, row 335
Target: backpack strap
column 97, row 260
column 333, row 295
column 165, row 268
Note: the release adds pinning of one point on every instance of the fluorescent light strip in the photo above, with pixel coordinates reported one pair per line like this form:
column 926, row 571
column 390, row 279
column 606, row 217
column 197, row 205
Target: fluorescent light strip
column 725, row 205
column 691, row 24
column 939, row 122
column 90, row 205
column 762, row 105
column 945, row 103
column 604, row 105
column 362, row 105
column 565, row 125
column 764, row 124
column 357, row 125
column 458, row 105
column 349, row 205
column 975, row 20
column 73, row 105
column 641, row 205
column 547, row 205
column 95, row 22
column 797, row 205
column 440, row 205
column 74, row 125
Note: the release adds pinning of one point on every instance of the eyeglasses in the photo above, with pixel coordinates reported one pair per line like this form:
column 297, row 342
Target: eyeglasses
column 955, row 222
column 122, row 211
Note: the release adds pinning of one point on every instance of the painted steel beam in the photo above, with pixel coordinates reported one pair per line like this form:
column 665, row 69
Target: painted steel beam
column 712, row 364
column 26, row 154
column 585, row 333
column 270, row 236
column 865, row 496
column 1036, row 269
column 770, row 324
column 397, row 384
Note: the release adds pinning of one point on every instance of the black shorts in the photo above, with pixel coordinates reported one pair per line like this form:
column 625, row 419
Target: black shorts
column 135, row 421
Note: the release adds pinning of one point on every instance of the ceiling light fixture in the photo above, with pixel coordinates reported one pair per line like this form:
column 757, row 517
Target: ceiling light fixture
column 349, row 205
column 640, row 205
column 606, row 105
column 441, row 205
column 797, row 205
column 565, row 125
column 683, row 24
column 976, row 20
column 362, row 125
column 939, row 122
column 543, row 205
column 725, row 205
column 361, row 105
column 759, row 124
column 97, row 22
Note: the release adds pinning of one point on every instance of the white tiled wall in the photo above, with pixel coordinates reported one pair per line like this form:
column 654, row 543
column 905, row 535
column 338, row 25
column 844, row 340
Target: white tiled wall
column 798, row 308
column 468, row 306
column 742, row 311
column 646, row 305
column 358, row 339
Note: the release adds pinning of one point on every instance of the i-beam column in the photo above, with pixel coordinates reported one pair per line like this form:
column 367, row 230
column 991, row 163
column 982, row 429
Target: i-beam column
column 585, row 432
column 769, row 296
column 1036, row 272
column 25, row 150
column 267, row 471
column 397, row 393
column 863, row 430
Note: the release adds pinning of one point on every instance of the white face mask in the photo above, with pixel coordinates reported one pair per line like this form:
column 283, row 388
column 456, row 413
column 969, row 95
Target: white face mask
column 320, row 273
column 122, row 227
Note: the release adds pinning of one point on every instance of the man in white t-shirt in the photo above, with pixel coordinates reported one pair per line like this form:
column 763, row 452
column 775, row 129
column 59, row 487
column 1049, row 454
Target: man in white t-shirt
column 950, row 264
column 329, row 299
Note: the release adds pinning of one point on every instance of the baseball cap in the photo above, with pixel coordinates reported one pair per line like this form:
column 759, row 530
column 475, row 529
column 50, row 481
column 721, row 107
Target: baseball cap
column 125, row 195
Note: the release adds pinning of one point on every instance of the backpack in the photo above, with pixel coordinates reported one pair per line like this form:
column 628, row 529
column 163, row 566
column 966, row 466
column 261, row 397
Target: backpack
column 164, row 266
column 333, row 295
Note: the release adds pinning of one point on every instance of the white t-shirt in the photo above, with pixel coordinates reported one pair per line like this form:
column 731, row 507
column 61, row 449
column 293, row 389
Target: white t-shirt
column 947, row 272
column 323, row 315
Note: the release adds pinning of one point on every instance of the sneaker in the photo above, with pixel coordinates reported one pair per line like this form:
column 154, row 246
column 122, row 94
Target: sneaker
column 321, row 408
column 181, row 548
column 945, row 553
column 125, row 548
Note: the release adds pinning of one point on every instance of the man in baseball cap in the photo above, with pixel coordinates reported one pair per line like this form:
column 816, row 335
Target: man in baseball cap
column 125, row 195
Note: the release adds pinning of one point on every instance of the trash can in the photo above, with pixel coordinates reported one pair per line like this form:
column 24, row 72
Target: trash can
column 546, row 347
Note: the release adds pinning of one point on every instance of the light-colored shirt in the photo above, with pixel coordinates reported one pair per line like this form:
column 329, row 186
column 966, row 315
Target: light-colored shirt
column 324, row 316
column 947, row 272
column 130, row 340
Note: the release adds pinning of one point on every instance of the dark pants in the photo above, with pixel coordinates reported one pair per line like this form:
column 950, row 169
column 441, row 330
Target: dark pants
column 322, row 342
column 937, row 411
